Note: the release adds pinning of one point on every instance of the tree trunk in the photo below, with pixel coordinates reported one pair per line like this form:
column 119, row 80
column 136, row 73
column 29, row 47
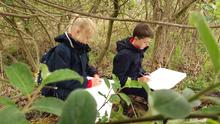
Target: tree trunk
column 109, row 33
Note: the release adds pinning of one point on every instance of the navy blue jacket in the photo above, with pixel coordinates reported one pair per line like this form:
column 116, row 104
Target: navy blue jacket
column 74, row 58
column 128, row 63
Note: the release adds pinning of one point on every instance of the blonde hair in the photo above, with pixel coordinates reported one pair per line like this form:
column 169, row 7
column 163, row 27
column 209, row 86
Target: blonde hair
column 81, row 23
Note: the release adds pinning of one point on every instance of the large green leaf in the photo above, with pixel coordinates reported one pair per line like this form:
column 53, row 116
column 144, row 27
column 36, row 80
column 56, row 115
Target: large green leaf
column 61, row 75
column 132, row 84
column 207, row 38
column 171, row 104
column 11, row 115
column 115, row 99
column 6, row 101
column 188, row 93
column 79, row 108
column 50, row 105
column 20, row 77
column 125, row 98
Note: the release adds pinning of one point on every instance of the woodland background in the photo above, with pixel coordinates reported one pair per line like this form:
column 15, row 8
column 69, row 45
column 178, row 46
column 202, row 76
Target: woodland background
column 27, row 29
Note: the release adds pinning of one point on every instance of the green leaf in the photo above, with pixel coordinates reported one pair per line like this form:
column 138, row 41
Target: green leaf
column 116, row 80
column 188, row 93
column 115, row 116
column 107, row 82
column 146, row 87
column 116, row 86
column 50, row 105
column 102, row 94
column 171, row 104
column 6, row 101
column 61, row 75
column 20, row 77
column 210, row 121
column 11, row 115
column 44, row 71
column 115, row 99
column 132, row 84
column 211, row 110
column 79, row 108
column 125, row 98
column 103, row 118
column 207, row 38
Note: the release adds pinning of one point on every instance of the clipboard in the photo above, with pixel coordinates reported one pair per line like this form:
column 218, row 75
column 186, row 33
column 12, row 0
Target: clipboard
column 164, row 78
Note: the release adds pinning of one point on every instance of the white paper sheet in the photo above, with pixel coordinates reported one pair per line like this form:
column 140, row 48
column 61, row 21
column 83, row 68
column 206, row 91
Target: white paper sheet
column 160, row 79
column 100, row 100
column 164, row 78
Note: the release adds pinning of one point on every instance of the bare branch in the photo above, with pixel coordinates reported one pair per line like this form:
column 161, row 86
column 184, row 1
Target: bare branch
column 17, row 15
column 119, row 19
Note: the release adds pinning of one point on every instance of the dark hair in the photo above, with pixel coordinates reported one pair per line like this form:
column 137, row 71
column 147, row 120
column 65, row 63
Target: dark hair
column 142, row 30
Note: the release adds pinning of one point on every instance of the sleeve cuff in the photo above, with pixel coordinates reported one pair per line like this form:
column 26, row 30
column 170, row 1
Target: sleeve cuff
column 89, row 84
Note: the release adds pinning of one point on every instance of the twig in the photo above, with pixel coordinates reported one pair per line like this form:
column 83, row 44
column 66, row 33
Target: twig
column 31, row 100
column 17, row 15
column 196, row 96
column 161, row 118
column 10, row 35
column 135, row 114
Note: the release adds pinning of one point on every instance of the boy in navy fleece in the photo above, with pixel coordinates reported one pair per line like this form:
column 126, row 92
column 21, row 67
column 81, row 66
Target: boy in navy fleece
column 71, row 53
column 128, row 60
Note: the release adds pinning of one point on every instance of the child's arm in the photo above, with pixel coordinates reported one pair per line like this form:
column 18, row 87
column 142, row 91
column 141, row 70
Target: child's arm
column 121, row 65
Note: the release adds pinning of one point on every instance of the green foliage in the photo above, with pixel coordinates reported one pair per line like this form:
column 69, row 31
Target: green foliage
column 102, row 94
column 171, row 104
column 115, row 99
column 79, row 108
column 61, row 75
column 197, row 83
column 6, row 101
column 107, row 82
column 118, row 115
column 44, row 71
column 11, row 115
column 177, row 58
column 188, row 93
column 20, row 77
column 132, row 84
column 103, row 119
column 211, row 110
column 210, row 121
column 207, row 38
column 125, row 98
column 50, row 105
column 116, row 85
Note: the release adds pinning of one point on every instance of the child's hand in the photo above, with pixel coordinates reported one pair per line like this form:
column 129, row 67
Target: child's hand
column 96, row 80
column 144, row 79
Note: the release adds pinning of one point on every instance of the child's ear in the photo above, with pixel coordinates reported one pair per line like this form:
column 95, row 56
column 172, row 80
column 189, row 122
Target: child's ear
column 77, row 31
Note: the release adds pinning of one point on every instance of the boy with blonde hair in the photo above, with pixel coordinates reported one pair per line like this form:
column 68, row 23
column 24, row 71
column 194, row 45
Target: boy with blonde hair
column 72, row 53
